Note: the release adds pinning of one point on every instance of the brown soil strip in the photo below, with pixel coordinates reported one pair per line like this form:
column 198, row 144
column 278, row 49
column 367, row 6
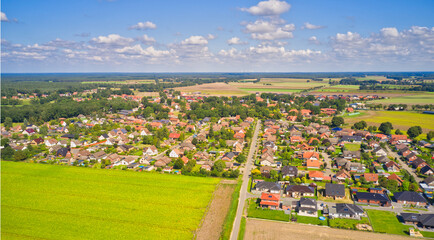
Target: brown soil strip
column 261, row 229
column 212, row 224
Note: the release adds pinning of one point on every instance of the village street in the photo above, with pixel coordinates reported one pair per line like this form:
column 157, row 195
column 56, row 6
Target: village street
column 243, row 191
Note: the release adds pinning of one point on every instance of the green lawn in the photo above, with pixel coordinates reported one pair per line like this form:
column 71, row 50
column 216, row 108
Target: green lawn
column 352, row 146
column 255, row 212
column 428, row 234
column 386, row 222
column 311, row 220
column 346, row 223
column 61, row 202
column 417, row 98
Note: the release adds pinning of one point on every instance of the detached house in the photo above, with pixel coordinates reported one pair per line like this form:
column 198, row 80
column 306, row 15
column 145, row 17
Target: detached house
column 152, row 150
column 379, row 152
column 269, row 200
column 308, row 207
column 270, row 187
column 297, row 191
column 335, row 191
column 345, row 210
column 411, row 198
column 392, row 166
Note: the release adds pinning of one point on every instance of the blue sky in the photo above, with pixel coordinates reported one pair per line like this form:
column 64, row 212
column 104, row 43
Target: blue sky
column 224, row 35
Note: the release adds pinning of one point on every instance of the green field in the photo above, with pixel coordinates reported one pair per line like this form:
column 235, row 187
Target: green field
column 402, row 119
column 60, row 202
column 421, row 98
column 352, row 146
column 346, row 223
column 386, row 222
column 269, row 90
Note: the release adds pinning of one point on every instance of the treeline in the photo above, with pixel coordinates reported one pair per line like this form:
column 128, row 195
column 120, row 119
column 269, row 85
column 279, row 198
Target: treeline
column 64, row 108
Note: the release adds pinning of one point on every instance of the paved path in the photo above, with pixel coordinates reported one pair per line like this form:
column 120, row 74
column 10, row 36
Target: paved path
column 328, row 160
column 403, row 164
column 243, row 191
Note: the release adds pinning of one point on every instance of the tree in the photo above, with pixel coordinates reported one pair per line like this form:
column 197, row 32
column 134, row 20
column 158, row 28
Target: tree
column 256, row 172
column 386, row 127
column 8, row 123
column 337, row 121
column 398, row 132
column 194, row 141
column 178, row 164
column 20, row 155
column 414, row 131
column 219, row 166
column 360, row 125
column 430, row 135
column 241, row 158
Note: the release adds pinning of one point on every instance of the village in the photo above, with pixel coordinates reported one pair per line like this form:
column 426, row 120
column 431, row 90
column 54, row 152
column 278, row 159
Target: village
column 304, row 166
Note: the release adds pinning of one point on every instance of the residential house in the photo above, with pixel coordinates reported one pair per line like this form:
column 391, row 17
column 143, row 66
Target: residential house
column 151, row 150
column 396, row 178
column 392, row 166
column 269, row 200
column 379, row 152
column 345, row 210
column 411, row 198
column 343, row 174
column 176, row 153
column 373, row 198
column 335, row 191
column 289, row 171
column 229, row 156
column 371, row 177
column 422, row 220
column 270, row 187
column 297, row 191
column 162, row 162
column 419, row 163
column 351, row 154
column 308, row 207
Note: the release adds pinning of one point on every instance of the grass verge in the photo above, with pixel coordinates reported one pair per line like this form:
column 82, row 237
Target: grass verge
column 229, row 220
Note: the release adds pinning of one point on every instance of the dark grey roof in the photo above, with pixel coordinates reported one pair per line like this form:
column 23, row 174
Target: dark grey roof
column 426, row 220
column 289, row 170
column 333, row 189
column 307, row 201
column 409, row 197
column 372, row 196
column 267, row 186
column 429, row 180
column 351, row 209
column 300, row 189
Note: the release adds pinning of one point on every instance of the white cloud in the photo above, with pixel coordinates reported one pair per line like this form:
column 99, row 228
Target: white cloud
column 268, row 8
column 311, row 26
column 145, row 39
column 389, row 32
column 314, row 40
column 3, row 17
column 143, row 26
column 260, row 26
column 138, row 50
column 195, row 40
column 112, row 39
column 211, row 37
column 236, row 41
column 278, row 34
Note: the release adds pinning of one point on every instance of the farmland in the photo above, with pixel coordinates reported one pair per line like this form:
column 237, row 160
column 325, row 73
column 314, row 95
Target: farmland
column 409, row 99
column 59, row 202
column 401, row 120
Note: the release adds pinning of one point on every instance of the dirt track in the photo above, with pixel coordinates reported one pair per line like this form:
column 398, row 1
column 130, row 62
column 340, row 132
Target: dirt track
column 268, row 230
column 212, row 225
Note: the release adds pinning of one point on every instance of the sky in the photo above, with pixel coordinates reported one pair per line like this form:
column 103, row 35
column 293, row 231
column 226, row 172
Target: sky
column 216, row 36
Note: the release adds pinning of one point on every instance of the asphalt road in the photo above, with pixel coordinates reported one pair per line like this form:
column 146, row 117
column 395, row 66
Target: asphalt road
column 403, row 164
column 243, row 191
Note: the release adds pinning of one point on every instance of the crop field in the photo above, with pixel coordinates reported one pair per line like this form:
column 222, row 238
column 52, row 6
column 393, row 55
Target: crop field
column 60, row 202
column 422, row 99
column 401, row 120
column 283, row 83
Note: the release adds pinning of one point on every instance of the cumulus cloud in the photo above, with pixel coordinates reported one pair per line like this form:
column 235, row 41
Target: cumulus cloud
column 314, row 40
column 145, row 39
column 195, row 40
column 269, row 30
column 143, row 26
column 4, row 18
column 211, row 37
column 268, row 8
column 414, row 43
column 311, row 26
column 389, row 32
column 112, row 39
column 236, row 41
